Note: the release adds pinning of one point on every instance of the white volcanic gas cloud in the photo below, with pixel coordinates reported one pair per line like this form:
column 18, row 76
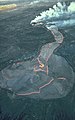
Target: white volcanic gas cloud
column 60, row 15
column 71, row 7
